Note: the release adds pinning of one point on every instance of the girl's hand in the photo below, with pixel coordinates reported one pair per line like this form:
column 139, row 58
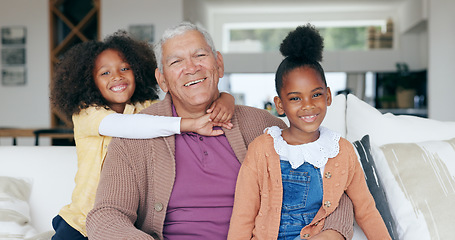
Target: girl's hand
column 222, row 109
column 202, row 125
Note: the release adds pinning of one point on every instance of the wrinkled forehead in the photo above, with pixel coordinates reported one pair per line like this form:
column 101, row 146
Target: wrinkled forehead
column 188, row 42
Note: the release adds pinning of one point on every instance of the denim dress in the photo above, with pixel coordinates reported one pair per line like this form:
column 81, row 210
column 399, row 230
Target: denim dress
column 302, row 198
column 301, row 167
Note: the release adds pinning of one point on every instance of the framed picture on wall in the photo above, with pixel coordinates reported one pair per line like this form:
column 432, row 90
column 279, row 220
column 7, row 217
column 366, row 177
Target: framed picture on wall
column 13, row 35
column 142, row 32
column 13, row 56
column 13, row 76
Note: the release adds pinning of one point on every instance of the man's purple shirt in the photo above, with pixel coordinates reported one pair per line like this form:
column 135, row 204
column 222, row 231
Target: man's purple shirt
column 201, row 201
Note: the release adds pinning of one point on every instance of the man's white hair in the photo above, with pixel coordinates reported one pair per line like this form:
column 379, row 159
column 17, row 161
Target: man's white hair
column 176, row 31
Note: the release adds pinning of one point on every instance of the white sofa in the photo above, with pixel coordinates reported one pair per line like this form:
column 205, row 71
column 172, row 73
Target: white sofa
column 50, row 172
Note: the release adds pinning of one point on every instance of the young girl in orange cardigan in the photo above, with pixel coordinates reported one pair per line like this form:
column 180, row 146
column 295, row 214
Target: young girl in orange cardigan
column 292, row 179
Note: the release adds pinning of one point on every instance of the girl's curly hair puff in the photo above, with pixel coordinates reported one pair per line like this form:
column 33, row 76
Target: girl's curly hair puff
column 301, row 48
column 73, row 87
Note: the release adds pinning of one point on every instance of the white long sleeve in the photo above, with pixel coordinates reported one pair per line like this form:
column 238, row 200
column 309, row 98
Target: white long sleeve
column 139, row 126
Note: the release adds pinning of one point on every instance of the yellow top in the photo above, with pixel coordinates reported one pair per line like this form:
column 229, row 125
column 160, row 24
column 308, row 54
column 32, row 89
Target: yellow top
column 91, row 150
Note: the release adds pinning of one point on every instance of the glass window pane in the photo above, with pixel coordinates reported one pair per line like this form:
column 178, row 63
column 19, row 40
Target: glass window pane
column 260, row 37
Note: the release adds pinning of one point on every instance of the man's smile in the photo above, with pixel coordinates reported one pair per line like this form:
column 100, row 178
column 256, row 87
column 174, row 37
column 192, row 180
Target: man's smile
column 194, row 82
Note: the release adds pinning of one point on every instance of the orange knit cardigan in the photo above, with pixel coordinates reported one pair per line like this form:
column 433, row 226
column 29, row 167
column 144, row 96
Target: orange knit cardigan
column 259, row 190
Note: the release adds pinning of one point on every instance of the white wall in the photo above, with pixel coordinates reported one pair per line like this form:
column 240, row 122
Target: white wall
column 119, row 14
column 441, row 70
column 195, row 11
column 27, row 106
column 414, row 13
column 20, row 104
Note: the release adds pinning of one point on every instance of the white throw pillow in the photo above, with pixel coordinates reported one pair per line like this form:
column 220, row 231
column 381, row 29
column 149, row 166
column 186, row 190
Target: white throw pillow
column 14, row 209
column 336, row 115
column 363, row 119
column 419, row 181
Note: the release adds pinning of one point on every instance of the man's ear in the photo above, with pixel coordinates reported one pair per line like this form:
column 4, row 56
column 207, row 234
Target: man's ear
column 278, row 105
column 220, row 63
column 161, row 81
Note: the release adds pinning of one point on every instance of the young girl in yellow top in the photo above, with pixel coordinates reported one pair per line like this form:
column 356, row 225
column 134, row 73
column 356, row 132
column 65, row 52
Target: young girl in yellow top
column 293, row 178
column 101, row 85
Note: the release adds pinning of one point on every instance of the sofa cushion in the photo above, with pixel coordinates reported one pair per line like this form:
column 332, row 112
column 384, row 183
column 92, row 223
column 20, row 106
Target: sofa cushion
column 363, row 119
column 336, row 115
column 374, row 183
column 420, row 186
column 14, row 209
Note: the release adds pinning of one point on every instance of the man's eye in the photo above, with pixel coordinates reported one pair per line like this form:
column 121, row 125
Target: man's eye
column 317, row 94
column 201, row 55
column 294, row 99
column 174, row 62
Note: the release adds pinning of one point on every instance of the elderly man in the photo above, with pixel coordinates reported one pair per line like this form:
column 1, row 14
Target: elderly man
column 182, row 186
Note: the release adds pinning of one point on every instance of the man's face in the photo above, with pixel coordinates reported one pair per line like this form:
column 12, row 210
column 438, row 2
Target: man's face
column 190, row 71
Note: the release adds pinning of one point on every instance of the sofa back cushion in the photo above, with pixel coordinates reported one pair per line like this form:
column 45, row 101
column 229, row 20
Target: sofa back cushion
column 336, row 115
column 50, row 172
column 363, row 119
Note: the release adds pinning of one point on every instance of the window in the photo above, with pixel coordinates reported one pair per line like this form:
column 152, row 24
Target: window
column 266, row 37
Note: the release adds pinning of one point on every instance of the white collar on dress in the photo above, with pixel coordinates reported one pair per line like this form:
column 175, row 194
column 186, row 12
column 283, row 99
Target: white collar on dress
column 316, row 153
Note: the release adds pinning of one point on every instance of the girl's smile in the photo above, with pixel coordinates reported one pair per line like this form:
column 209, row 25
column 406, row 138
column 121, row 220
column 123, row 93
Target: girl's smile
column 119, row 88
column 309, row 119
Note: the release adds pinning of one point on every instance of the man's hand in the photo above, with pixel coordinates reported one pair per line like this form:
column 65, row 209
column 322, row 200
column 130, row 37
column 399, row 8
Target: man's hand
column 222, row 109
column 328, row 235
column 202, row 125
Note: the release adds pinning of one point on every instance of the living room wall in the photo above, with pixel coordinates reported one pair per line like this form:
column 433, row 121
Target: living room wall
column 27, row 105
column 441, row 70
column 118, row 14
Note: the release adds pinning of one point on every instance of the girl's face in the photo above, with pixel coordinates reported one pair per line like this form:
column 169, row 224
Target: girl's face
column 304, row 100
column 114, row 78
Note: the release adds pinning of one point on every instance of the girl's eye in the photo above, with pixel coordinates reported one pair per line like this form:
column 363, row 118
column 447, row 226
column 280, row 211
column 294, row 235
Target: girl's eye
column 104, row 73
column 125, row 69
